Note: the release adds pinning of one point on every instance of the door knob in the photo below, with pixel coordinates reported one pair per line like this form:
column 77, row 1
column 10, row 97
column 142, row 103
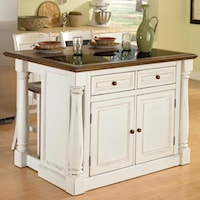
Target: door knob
column 139, row 130
column 158, row 77
column 132, row 131
column 114, row 83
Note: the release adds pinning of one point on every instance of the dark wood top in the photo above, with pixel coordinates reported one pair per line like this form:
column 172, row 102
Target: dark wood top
column 97, row 59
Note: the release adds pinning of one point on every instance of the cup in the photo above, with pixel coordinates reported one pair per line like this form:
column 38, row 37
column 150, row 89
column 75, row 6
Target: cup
column 77, row 45
column 126, row 41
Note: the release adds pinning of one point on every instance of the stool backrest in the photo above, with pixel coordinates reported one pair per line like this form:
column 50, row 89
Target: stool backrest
column 66, row 37
column 27, row 41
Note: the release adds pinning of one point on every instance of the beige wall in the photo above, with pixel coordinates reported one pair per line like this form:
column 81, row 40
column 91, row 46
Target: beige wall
column 172, row 27
column 174, row 31
column 193, row 40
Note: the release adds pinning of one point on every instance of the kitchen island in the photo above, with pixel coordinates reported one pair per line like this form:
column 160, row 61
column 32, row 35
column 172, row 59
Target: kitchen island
column 106, row 116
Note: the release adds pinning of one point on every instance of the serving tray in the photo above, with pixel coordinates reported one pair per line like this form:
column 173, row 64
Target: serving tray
column 51, row 10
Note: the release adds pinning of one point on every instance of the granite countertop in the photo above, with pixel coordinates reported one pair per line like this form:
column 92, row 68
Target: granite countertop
column 96, row 59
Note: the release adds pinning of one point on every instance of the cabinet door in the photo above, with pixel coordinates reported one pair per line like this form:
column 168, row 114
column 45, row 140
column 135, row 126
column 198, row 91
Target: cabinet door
column 112, row 135
column 155, row 126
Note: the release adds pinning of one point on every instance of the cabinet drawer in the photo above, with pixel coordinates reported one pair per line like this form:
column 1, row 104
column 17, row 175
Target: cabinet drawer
column 104, row 84
column 156, row 77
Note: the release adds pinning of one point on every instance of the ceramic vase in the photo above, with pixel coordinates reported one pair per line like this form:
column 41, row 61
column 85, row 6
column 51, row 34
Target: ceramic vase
column 145, row 32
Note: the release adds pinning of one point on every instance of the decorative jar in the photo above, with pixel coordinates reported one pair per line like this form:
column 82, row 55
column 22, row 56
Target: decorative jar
column 145, row 33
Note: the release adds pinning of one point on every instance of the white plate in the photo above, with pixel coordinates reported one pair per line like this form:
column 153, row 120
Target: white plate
column 115, row 44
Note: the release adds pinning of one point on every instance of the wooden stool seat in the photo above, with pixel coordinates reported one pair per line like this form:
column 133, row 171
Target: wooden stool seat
column 35, row 87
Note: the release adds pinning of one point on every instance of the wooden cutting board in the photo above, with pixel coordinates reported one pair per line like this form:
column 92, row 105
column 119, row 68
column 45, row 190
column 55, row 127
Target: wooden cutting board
column 51, row 10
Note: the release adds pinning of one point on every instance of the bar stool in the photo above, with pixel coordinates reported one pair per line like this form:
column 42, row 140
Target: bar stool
column 66, row 37
column 27, row 41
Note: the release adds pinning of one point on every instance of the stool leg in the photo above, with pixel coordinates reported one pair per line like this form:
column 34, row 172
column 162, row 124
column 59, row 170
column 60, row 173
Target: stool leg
column 14, row 141
column 38, row 124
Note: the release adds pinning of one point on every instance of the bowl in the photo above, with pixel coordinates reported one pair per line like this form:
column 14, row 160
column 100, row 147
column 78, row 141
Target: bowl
column 104, row 40
column 49, row 45
column 102, row 17
column 32, row 23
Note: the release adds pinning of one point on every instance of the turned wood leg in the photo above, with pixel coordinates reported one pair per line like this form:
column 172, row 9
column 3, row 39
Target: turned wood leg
column 76, row 132
column 75, row 179
column 22, row 119
column 184, row 114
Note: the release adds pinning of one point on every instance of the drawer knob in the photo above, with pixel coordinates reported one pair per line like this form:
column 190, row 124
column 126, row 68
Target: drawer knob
column 132, row 131
column 158, row 77
column 114, row 83
column 139, row 130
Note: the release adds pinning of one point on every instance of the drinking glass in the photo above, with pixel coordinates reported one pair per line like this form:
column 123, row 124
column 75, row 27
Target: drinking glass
column 77, row 45
column 126, row 41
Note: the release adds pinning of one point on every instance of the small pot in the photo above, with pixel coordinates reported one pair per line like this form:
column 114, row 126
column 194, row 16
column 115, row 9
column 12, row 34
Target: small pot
column 75, row 20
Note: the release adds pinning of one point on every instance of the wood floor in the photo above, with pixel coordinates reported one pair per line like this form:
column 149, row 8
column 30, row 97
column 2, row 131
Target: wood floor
column 178, row 183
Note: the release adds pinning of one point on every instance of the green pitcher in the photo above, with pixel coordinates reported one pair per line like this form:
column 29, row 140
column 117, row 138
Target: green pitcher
column 145, row 32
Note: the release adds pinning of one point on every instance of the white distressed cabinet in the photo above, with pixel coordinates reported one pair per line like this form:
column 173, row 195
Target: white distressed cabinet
column 155, row 118
column 112, row 143
column 138, row 128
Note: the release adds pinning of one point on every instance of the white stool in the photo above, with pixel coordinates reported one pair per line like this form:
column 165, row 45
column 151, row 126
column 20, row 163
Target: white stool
column 27, row 41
